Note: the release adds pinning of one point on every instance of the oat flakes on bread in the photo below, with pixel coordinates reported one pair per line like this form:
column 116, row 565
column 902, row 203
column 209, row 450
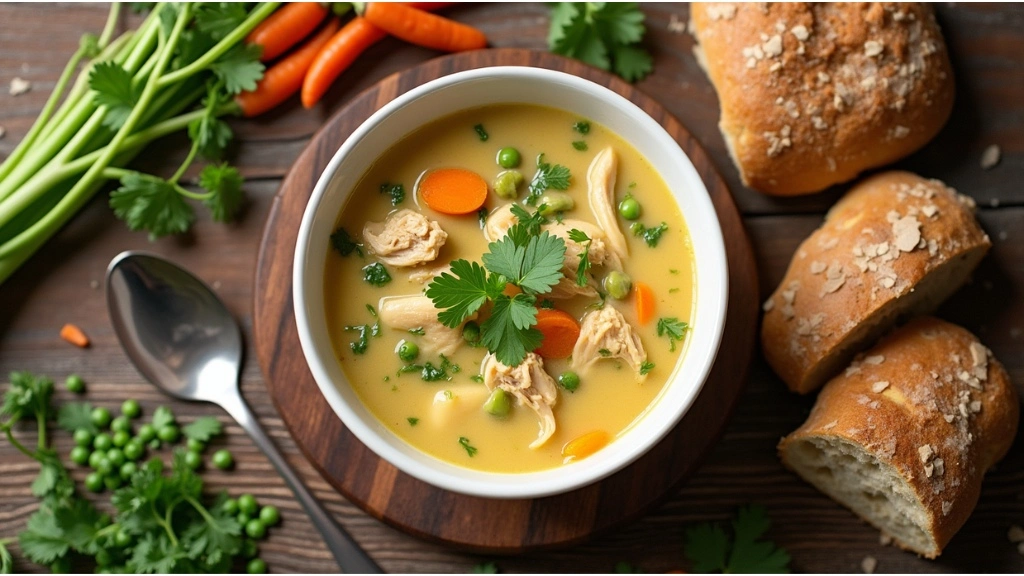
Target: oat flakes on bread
column 904, row 436
column 813, row 94
column 895, row 245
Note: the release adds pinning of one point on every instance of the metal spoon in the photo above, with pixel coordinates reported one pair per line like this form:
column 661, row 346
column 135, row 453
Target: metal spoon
column 182, row 338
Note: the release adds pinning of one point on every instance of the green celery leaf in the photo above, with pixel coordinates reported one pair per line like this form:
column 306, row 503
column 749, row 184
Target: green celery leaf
column 203, row 429
column 43, row 541
column 224, row 183
column 218, row 19
column 459, row 293
column 148, row 203
column 632, row 63
column 619, row 22
column 114, row 89
column 72, row 416
column 542, row 263
column 707, row 547
column 507, row 332
column 239, row 68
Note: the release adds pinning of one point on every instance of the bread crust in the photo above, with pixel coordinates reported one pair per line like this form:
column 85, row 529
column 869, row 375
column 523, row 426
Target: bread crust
column 928, row 393
column 852, row 278
column 811, row 94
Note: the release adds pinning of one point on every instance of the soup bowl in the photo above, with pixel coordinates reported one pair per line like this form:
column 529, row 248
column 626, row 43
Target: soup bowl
column 502, row 85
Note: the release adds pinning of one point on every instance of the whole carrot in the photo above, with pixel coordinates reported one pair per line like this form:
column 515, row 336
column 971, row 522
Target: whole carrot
column 421, row 28
column 285, row 78
column 286, row 28
column 336, row 56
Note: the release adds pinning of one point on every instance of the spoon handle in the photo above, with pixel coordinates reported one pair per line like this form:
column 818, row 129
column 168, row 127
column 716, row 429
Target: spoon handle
column 349, row 556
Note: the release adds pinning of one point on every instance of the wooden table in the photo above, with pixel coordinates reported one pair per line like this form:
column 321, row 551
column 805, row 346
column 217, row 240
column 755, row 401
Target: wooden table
column 63, row 283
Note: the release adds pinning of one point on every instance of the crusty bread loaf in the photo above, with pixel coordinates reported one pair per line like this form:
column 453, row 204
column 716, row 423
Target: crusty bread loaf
column 895, row 245
column 813, row 94
column 905, row 435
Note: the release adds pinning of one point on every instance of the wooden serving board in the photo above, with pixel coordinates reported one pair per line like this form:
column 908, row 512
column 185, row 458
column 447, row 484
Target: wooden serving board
column 479, row 524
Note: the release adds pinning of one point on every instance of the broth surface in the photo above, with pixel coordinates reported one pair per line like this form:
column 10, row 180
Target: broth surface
column 608, row 397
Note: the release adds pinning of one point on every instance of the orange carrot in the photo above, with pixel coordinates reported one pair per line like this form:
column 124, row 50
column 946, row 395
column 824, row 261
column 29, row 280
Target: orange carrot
column 430, row 6
column 453, row 190
column 644, row 302
column 74, row 335
column 560, row 332
column 585, row 445
column 285, row 78
column 421, row 28
column 286, row 27
column 336, row 56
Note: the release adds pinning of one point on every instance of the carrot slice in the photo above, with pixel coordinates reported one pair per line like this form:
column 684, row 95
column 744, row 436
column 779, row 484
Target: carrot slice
column 74, row 335
column 453, row 190
column 644, row 302
column 286, row 27
column 585, row 445
column 560, row 332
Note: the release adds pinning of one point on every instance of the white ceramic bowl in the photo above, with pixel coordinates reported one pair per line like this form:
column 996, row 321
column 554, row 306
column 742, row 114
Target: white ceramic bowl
column 471, row 89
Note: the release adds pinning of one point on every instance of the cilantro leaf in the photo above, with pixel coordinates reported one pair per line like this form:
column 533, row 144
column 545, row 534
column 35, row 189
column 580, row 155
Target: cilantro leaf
column 547, row 177
column 43, row 541
column 674, row 329
column 344, row 244
column 153, row 555
column 27, row 396
column 396, row 192
column 218, row 19
column 74, row 415
column 580, row 145
column 239, row 68
column 508, row 331
column 6, row 561
column 114, row 89
column 709, row 549
column 203, row 429
column 527, row 226
column 542, row 263
column 148, row 203
column 461, row 292
column 650, row 235
column 563, row 14
column 211, row 134
column 49, row 474
column 620, row 22
column 604, row 34
column 632, row 63
column 376, row 274
column 162, row 416
column 224, row 184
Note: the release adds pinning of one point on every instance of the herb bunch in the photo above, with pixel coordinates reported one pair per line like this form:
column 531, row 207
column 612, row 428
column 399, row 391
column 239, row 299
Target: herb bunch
column 710, row 549
column 603, row 34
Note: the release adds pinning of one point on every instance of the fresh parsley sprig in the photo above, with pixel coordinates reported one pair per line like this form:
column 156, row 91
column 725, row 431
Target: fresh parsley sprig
column 547, row 177
column 603, row 34
column 580, row 237
column 673, row 329
column 710, row 549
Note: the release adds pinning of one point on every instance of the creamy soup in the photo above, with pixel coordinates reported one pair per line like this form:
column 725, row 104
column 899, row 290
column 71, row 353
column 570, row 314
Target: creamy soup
column 439, row 388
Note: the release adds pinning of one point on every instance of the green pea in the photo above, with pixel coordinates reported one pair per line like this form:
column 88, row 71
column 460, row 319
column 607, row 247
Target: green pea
column 101, row 417
column 255, row 529
column 79, row 455
column 552, row 202
column 508, row 157
column 83, row 437
column 121, row 424
column 103, row 558
column 95, row 457
column 618, row 284
column 247, row 504
column 195, row 445
column 569, row 380
column 146, row 433
column 116, row 457
column 193, row 460
column 408, row 351
column 230, row 507
column 154, row 444
column 128, row 469
column 102, row 442
column 105, row 467
column 243, row 519
column 133, row 450
column 169, row 433
column 223, row 459
column 122, row 538
column 629, row 208
column 131, row 408
column 256, row 566
column 121, row 438
column 507, row 183
column 498, row 403
column 112, row 482
column 94, row 482
column 471, row 332
column 75, row 384
column 270, row 515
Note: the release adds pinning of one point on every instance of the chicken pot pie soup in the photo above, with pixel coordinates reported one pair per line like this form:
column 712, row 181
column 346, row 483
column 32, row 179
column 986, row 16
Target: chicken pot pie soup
column 510, row 288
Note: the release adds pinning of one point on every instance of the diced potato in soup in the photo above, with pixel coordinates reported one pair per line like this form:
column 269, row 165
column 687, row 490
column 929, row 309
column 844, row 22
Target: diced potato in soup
column 465, row 384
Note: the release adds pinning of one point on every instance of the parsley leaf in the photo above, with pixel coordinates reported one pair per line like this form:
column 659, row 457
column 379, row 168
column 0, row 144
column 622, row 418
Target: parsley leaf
column 239, row 68
column 218, row 19
column 203, row 429
column 376, row 274
column 224, row 184
column 580, row 145
column 114, row 89
column 413, row 421
column 547, row 177
column 508, row 331
column 485, row 568
column 74, row 415
column 646, row 367
column 603, row 34
column 535, row 267
column 43, row 540
column 344, row 244
column 710, row 550
column 148, row 203
column 582, row 126
column 162, row 416
column 632, row 63
column 461, row 292
column 395, row 191
column 674, row 329
column 650, row 235
column 583, row 267
column 481, row 133
column 211, row 134
column 464, row 442
column 359, row 345
column 6, row 561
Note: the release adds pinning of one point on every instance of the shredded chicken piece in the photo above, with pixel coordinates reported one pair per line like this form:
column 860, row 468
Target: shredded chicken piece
column 529, row 383
column 428, row 273
column 601, row 182
column 498, row 222
column 607, row 330
column 416, row 311
column 406, row 238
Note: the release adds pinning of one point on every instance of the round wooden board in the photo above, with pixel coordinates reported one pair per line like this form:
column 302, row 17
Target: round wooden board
column 479, row 524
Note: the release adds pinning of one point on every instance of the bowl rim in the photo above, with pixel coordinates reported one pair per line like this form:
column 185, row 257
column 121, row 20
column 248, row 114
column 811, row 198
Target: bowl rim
column 547, row 483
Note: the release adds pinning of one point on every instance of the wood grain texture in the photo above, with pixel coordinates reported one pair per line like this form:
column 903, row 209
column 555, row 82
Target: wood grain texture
column 987, row 48
column 480, row 524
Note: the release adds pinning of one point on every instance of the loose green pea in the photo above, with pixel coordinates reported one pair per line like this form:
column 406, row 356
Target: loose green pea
column 94, row 482
column 133, row 450
column 629, row 208
column 507, row 183
column 256, row 566
column 101, row 417
column 223, row 459
column 508, row 157
column 105, row 467
column 83, row 437
column 121, row 424
column 193, row 460
column 79, row 455
column 128, row 469
column 243, row 519
column 154, row 444
column 498, row 403
column 230, row 507
column 569, row 380
column 247, row 504
column 552, row 202
column 194, row 445
column 618, row 284
column 408, row 351
column 75, row 384
column 121, row 438
column 131, row 408
column 471, row 332
column 146, row 433
column 122, row 539
column 95, row 458
column 270, row 515
column 116, row 457
column 102, row 441
column 169, row 433
column 255, row 529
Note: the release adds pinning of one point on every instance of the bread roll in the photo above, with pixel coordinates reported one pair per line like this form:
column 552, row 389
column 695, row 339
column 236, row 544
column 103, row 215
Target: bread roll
column 895, row 245
column 813, row 94
column 905, row 435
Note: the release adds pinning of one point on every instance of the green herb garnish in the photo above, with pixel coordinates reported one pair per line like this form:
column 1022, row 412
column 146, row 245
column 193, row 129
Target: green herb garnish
column 464, row 442
column 603, row 34
column 203, row 429
column 709, row 549
column 582, row 126
column 419, row 331
column 359, row 345
column 650, row 235
column 395, row 191
column 580, row 145
column 547, row 177
column 413, row 421
column 581, row 237
column 343, row 243
column 674, row 329
column 604, row 352
column 376, row 274
column 481, row 133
